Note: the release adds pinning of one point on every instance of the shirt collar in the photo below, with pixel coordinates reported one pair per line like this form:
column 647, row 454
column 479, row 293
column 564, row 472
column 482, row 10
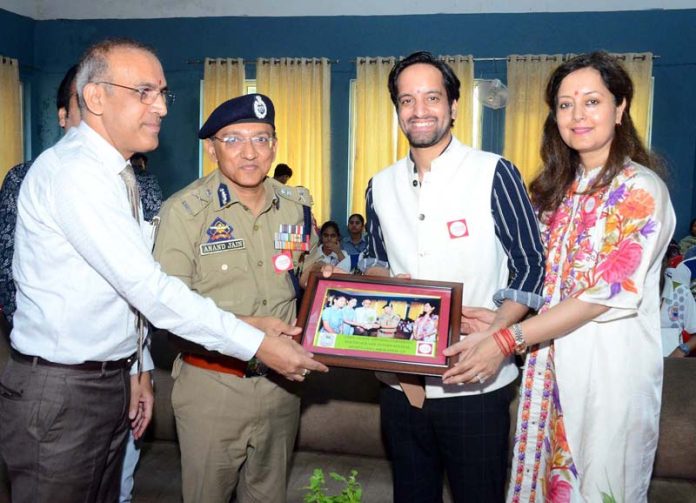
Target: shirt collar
column 271, row 197
column 453, row 146
column 451, row 149
column 106, row 152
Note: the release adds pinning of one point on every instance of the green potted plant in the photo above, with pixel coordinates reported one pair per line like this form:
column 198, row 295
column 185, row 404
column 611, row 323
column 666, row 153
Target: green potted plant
column 316, row 490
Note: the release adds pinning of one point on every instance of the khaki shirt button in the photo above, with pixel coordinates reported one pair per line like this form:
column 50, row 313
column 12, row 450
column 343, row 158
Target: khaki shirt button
column 260, row 263
column 256, row 227
column 223, row 267
column 264, row 302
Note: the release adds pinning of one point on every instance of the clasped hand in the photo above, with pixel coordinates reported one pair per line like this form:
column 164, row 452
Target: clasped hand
column 280, row 352
column 479, row 357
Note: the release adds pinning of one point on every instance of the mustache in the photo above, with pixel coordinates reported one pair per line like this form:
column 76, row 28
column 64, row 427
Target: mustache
column 418, row 119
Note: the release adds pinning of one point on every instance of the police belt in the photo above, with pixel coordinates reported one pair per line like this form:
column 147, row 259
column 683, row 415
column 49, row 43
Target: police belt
column 90, row 365
column 221, row 363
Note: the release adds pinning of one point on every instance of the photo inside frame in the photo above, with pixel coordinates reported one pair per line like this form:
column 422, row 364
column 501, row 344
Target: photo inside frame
column 398, row 323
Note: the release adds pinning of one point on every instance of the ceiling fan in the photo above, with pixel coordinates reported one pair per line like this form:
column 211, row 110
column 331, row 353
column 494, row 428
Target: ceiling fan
column 492, row 93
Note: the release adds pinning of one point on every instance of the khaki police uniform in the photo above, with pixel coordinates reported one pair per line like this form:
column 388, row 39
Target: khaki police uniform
column 234, row 431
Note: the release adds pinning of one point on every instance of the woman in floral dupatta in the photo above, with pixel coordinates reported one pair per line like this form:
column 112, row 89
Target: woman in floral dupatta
column 590, row 397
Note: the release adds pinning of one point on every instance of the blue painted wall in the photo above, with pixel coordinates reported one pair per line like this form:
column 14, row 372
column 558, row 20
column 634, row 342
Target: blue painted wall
column 17, row 37
column 669, row 34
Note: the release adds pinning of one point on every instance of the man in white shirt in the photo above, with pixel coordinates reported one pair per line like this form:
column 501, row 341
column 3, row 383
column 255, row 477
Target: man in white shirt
column 68, row 116
column 82, row 267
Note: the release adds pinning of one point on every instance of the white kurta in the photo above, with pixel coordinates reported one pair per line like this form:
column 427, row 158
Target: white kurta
column 589, row 432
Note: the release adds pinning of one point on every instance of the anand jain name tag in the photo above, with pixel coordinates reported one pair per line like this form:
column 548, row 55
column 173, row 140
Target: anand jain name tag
column 222, row 246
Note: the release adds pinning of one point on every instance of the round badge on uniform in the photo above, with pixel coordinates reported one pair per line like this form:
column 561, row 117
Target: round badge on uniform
column 282, row 262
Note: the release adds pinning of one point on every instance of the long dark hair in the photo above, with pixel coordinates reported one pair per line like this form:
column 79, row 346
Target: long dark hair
column 435, row 307
column 560, row 161
column 330, row 224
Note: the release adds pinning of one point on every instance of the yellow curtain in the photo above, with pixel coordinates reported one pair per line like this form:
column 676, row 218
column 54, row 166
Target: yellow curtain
column 301, row 92
column 11, row 151
column 463, row 67
column 375, row 125
column 223, row 79
column 526, row 111
column 639, row 68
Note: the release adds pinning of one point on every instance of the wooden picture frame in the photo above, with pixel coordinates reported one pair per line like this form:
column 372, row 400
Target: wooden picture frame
column 351, row 321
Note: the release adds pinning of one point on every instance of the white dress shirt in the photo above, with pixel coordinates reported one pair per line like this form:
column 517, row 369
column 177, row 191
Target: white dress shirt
column 81, row 260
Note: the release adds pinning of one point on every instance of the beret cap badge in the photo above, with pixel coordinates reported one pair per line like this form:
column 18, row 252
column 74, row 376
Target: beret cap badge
column 260, row 108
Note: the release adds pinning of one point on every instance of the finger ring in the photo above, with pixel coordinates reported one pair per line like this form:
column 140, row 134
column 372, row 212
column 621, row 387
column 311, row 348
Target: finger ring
column 305, row 372
column 480, row 378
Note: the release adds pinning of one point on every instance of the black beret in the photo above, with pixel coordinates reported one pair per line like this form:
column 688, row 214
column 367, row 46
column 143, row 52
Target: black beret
column 247, row 108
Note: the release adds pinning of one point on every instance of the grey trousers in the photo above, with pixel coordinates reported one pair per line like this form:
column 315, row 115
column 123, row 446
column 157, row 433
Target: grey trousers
column 63, row 432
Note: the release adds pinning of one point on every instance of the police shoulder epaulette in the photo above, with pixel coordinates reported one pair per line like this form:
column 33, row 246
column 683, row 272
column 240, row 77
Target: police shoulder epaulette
column 299, row 195
column 196, row 200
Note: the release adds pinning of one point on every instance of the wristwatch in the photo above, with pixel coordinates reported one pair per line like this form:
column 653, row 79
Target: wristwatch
column 684, row 348
column 520, row 343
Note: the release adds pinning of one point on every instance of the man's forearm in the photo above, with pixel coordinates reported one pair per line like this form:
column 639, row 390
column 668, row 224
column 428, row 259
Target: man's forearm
column 509, row 313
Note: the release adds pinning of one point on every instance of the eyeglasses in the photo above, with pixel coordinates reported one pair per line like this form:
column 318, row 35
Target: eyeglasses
column 236, row 142
column 148, row 95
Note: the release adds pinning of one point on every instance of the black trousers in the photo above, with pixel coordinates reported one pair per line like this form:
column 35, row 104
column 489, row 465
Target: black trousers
column 464, row 437
column 63, row 432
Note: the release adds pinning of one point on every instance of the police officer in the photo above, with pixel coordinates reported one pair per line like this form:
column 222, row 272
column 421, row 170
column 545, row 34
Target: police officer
column 236, row 236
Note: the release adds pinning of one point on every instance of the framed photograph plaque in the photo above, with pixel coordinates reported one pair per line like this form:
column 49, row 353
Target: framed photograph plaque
column 380, row 323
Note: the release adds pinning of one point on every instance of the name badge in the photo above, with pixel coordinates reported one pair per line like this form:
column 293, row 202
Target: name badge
column 222, row 246
column 458, row 228
column 220, row 238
